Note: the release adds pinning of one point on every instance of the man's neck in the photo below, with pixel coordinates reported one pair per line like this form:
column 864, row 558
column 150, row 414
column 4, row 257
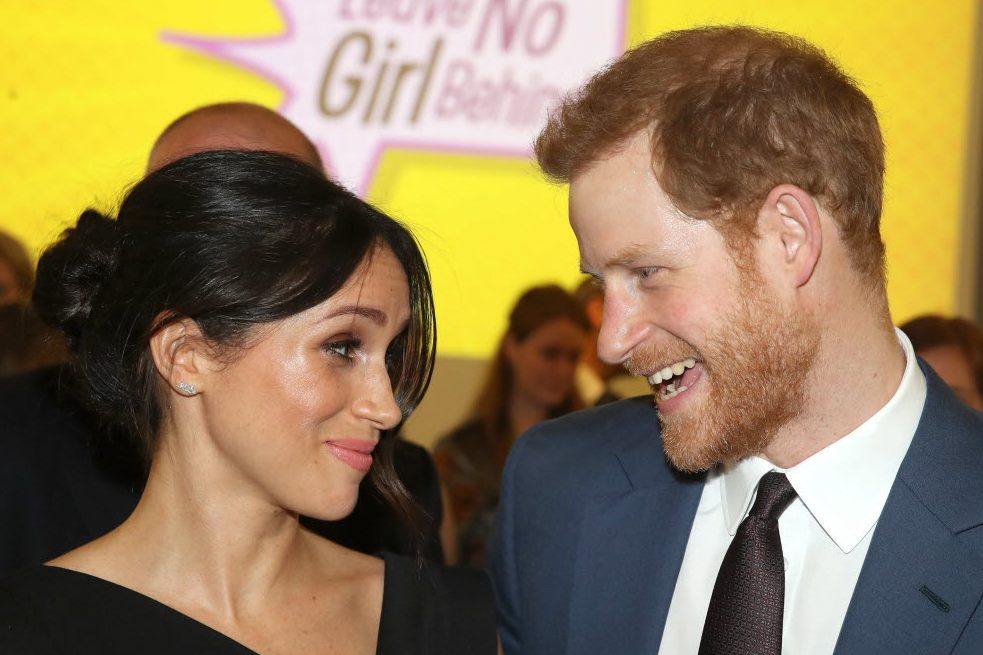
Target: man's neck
column 857, row 370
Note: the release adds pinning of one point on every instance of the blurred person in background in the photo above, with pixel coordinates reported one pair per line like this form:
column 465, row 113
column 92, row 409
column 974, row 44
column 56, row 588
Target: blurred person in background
column 16, row 270
column 598, row 382
column 530, row 379
column 954, row 348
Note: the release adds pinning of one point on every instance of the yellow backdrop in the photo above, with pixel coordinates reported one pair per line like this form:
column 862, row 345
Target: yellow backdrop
column 86, row 87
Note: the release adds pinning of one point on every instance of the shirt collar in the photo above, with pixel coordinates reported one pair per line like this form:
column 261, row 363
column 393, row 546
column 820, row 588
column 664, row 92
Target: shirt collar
column 864, row 464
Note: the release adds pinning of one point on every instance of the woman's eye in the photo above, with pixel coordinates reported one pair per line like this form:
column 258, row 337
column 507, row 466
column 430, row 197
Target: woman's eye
column 343, row 348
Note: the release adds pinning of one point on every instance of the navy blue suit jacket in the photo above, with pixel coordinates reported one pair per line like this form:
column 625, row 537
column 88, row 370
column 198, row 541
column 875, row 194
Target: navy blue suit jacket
column 593, row 524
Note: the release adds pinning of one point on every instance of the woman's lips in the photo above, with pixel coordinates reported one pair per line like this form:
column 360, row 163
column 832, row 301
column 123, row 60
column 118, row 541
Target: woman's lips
column 357, row 453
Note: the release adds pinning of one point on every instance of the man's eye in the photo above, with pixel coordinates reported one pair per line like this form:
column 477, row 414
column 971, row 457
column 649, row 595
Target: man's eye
column 647, row 271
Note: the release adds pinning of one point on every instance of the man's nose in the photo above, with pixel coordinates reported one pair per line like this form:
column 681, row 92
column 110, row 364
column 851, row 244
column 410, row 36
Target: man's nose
column 622, row 328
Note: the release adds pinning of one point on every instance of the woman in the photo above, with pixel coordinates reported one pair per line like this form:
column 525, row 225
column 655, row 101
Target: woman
column 530, row 379
column 264, row 331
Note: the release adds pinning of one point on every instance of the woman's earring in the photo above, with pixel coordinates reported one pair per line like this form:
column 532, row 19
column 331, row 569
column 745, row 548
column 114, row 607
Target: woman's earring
column 188, row 388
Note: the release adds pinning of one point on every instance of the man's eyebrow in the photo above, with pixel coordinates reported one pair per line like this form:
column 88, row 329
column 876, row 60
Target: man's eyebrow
column 377, row 316
column 625, row 257
column 628, row 255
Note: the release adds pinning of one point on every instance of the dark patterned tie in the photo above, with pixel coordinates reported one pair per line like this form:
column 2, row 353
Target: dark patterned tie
column 746, row 608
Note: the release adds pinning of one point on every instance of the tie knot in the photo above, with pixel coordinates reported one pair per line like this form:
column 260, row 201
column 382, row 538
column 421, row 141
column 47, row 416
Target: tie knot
column 775, row 493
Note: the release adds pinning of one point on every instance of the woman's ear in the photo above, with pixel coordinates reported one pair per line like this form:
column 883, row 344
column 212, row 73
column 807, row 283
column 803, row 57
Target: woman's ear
column 180, row 351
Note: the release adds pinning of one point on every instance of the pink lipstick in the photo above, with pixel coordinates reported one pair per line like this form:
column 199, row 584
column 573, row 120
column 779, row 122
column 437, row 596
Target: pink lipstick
column 357, row 453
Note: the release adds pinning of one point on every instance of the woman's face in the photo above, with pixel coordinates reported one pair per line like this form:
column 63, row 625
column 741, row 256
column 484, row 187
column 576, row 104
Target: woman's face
column 297, row 414
column 544, row 363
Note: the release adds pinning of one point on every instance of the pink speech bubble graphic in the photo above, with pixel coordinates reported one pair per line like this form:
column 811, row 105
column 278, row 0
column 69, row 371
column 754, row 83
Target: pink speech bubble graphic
column 469, row 76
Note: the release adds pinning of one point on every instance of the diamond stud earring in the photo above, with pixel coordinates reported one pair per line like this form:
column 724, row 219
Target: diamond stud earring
column 187, row 388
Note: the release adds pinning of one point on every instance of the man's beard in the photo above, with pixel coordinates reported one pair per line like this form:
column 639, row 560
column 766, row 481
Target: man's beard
column 755, row 368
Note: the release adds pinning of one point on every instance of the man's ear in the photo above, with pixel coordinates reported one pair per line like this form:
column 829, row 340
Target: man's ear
column 791, row 218
column 180, row 351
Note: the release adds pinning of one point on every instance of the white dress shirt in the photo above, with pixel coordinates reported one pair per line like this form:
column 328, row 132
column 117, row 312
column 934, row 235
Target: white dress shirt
column 825, row 532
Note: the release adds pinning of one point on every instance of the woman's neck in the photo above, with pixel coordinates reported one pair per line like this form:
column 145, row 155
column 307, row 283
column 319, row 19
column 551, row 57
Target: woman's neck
column 203, row 530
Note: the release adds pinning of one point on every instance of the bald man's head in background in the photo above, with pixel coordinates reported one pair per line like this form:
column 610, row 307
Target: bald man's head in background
column 231, row 125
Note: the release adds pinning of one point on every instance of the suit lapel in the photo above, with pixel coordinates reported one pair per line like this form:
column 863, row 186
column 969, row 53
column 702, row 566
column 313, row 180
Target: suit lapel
column 923, row 575
column 918, row 587
column 628, row 556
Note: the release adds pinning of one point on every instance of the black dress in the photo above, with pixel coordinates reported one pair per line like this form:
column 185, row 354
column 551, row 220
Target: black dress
column 46, row 611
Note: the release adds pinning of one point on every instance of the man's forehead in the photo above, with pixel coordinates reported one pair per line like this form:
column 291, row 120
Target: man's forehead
column 636, row 146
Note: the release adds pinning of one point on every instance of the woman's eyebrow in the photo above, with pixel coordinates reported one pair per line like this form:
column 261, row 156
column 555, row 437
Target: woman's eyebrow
column 377, row 316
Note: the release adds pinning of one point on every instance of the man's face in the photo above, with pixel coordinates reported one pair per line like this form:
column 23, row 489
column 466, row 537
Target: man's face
column 726, row 360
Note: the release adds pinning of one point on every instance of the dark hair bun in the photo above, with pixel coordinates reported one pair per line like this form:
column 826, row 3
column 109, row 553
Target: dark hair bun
column 73, row 272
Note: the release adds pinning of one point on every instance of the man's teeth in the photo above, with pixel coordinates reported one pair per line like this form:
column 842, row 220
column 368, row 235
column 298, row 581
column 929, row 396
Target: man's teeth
column 670, row 371
column 670, row 391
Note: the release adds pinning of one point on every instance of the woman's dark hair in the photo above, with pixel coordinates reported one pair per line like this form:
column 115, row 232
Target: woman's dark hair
column 231, row 240
column 536, row 307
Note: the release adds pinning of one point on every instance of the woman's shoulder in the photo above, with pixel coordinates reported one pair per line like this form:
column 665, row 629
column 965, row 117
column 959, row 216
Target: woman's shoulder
column 438, row 608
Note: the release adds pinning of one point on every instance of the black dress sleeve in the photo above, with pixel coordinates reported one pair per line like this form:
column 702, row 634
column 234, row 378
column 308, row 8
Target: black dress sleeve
column 428, row 609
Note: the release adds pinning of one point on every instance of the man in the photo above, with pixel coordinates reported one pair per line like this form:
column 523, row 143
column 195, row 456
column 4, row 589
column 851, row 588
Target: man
column 60, row 487
column 725, row 188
